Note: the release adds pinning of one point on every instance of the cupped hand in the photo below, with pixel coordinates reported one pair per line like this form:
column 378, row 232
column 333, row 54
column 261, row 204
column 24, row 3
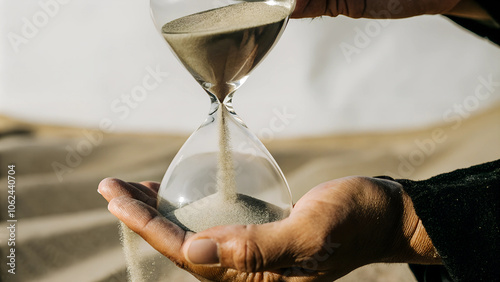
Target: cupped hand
column 335, row 228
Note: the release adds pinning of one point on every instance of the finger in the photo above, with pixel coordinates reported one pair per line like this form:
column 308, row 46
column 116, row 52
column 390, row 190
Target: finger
column 153, row 186
column 309, row 8
column 143, row 219
column 111, row 188
column 145, row 189
column 246, row 248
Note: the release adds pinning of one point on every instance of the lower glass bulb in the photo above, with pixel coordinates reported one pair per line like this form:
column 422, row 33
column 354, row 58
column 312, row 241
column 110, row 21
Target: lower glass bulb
column 223, row 175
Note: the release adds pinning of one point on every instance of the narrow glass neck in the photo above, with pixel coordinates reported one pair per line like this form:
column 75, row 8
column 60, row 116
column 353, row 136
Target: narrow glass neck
column 215, row 102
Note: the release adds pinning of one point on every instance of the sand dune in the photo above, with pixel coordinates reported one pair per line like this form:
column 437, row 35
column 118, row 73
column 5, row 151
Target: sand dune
column 64, row 229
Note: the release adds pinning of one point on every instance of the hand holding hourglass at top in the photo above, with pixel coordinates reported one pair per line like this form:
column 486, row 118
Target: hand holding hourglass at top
column 336, row 209
column 393, row 9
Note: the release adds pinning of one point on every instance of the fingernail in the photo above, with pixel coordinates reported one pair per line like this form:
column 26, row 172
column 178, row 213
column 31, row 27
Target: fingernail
column 203, row 251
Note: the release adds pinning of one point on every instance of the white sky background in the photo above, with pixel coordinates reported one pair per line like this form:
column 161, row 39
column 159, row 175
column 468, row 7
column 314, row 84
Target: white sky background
column 84, row 57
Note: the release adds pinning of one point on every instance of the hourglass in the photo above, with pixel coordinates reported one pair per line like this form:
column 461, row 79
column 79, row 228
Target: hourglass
column 222, row 174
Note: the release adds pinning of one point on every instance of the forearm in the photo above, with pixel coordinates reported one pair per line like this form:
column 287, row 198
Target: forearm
column 460, row 212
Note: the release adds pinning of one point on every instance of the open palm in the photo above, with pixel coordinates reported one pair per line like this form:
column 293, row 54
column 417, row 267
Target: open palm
column 333, row 229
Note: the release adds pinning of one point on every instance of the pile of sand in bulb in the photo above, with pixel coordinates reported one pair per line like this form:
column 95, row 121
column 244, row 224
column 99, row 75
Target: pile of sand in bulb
column 216, row 210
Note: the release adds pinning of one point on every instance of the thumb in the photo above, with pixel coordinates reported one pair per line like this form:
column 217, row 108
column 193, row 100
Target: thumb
column 246, row 248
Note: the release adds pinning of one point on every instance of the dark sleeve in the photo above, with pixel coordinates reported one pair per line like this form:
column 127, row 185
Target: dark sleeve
column 460, row 212
column 488, row 31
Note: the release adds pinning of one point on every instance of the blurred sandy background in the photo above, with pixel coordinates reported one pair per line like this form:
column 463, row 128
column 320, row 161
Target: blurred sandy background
column 416, row 98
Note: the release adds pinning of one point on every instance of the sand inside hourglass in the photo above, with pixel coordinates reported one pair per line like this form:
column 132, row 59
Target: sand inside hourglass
column 220, row 47
column 214, row 210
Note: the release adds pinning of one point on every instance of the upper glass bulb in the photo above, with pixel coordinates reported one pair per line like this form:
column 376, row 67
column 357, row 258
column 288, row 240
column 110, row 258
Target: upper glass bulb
column 220, row 42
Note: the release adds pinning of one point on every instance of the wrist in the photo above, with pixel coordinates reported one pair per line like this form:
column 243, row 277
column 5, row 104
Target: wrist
column 411, row 243
column 419, row 247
